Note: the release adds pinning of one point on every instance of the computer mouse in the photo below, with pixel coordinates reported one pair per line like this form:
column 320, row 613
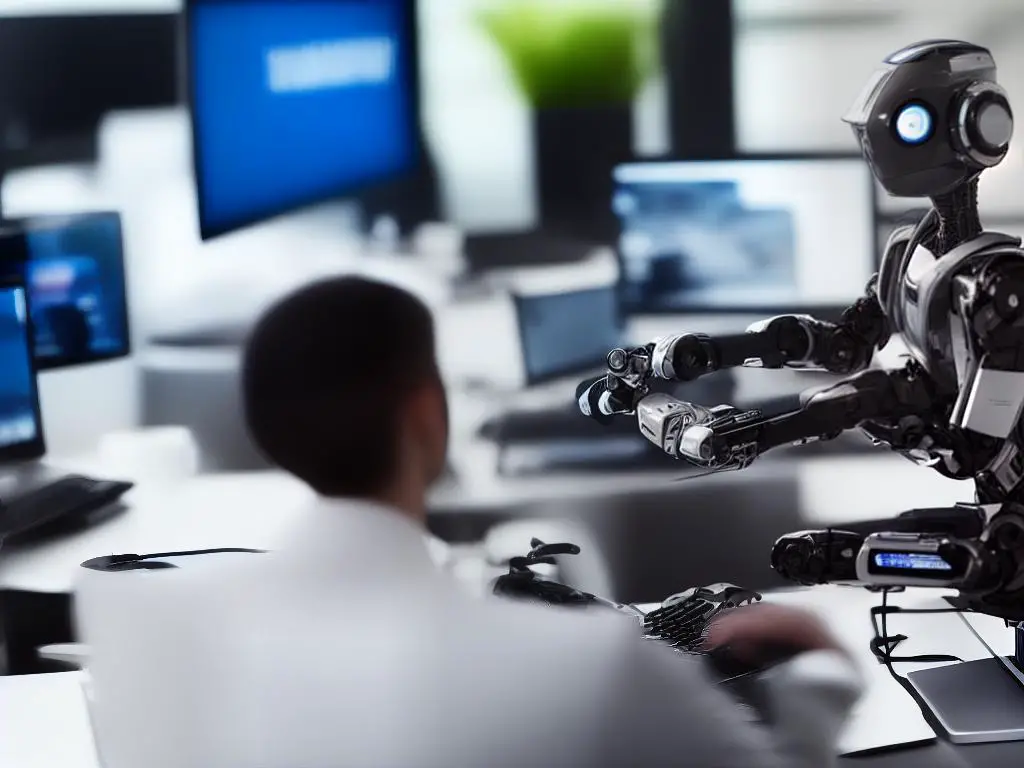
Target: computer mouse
column 125, row 563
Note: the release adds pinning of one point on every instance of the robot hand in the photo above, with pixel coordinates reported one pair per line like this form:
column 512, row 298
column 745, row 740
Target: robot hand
column 683, row 357
column 699, row 435
column 621, row 389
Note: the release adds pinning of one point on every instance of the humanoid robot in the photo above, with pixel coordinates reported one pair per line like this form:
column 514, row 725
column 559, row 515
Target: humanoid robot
column 929, row 122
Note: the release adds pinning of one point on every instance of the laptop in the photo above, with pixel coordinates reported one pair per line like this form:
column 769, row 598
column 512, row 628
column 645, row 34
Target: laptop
column 33, row 495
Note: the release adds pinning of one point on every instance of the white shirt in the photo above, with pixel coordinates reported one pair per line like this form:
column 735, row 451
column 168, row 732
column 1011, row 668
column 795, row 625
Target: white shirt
column 349, row 647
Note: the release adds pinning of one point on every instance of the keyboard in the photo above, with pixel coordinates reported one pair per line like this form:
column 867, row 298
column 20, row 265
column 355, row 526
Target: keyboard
column 64, row 500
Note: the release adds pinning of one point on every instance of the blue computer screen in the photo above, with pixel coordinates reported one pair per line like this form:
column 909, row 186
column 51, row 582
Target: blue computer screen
column 297, row 101
column 18, row 422
column 74, row 271
column 568, row 333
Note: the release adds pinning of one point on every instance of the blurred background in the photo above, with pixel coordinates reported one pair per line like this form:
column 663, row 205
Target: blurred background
column 581, row 174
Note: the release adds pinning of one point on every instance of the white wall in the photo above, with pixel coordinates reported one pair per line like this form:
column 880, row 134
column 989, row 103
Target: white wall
column 795, row 83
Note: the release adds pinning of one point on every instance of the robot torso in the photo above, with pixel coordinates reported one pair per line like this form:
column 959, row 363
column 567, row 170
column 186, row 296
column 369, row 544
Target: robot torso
column 921, row 295
column 917, row 291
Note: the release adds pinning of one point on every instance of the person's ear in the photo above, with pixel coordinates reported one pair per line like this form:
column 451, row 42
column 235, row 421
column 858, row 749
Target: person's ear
column 429, row 420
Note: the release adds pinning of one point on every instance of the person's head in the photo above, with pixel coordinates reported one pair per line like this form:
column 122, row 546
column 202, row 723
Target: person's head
column 341, row 389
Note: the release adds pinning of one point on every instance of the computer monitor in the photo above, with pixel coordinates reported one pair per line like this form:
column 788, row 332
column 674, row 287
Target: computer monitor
column 21, row 432
column 73, row 268
column 60, row 74
column 294, row 103
column 749, row 235
column 561, row 334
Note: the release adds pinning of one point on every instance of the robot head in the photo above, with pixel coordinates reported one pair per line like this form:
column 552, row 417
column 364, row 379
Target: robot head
column 932, row 118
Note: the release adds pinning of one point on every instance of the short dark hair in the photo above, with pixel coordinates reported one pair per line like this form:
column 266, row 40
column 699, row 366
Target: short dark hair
column 324, row 377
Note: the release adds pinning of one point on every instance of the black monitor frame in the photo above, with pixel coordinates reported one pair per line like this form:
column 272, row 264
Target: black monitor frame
column 823, row 311
column 570, row 369
column 14, row 247
column 410, row 38
column 35, row 448
column 76, row 142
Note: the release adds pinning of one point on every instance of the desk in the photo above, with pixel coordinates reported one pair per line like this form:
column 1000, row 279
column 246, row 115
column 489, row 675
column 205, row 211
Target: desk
column 635, row 518
column 45, row 722
column 50, row 711
column 253, row 509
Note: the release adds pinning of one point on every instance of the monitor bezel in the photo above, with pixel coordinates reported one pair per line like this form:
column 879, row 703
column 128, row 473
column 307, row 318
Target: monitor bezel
column 17, row 229
column 825, row 311
column 35, row 448
column 208, row 231
column 518, row 302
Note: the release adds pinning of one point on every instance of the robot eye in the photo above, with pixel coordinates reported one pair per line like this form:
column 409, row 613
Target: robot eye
column 914, row 124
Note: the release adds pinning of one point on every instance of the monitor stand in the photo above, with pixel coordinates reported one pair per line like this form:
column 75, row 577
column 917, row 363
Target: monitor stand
column 976, row 702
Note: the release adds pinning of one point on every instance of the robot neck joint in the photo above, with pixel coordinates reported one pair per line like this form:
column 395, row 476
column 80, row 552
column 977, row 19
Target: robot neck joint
column 959, row 220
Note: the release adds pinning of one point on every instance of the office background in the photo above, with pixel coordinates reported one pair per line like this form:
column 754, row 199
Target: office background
column 796, row 68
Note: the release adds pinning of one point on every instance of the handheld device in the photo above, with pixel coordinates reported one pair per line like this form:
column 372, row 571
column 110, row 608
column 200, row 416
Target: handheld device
column 925, row 560
column 297, row 103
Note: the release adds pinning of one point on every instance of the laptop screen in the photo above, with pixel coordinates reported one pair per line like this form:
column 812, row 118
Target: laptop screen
column 21, row 434
column 568, row 333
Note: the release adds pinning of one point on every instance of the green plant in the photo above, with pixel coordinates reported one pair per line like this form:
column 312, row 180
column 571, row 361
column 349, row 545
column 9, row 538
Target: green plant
column 563, row 53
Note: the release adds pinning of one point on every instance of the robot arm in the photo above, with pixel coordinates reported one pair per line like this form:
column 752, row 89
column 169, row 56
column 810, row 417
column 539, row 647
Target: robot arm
column 786, row 341
column 727, row 438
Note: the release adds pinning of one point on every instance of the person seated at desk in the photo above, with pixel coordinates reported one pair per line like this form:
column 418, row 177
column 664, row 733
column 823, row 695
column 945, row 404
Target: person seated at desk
column 347, row 646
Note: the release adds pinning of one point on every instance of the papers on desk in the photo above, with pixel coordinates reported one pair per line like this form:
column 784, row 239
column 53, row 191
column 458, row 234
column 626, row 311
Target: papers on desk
column 886, row 716
column 45, row 722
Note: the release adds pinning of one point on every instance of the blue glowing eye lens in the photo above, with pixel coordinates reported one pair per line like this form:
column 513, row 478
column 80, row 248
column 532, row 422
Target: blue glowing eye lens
column 914, row 124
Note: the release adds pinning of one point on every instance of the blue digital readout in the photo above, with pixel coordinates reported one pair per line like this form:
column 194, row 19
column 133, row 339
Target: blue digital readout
column 911, row 561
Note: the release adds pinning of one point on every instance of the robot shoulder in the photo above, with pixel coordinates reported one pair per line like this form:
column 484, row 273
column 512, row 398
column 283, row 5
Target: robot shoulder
column 893, row 264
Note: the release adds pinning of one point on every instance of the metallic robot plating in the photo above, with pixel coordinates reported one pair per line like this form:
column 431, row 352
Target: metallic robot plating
column 929, row 122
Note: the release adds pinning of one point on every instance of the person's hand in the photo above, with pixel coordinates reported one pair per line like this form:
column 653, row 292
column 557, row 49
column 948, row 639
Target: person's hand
column 760, row 633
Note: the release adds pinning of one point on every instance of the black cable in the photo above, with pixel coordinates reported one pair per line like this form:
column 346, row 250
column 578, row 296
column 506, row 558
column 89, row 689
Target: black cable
column 883, row 644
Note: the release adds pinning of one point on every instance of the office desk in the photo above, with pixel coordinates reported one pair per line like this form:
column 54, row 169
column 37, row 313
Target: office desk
column 50, row 714
column 648, row 527
column 886, row 713
column 253, row 509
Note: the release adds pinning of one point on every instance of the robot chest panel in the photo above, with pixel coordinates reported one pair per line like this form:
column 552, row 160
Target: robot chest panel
column 910, row 309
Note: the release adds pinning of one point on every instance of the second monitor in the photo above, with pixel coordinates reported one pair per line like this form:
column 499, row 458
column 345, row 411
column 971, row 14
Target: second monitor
column 297, row 103
column 751, row 235
column 73, row 269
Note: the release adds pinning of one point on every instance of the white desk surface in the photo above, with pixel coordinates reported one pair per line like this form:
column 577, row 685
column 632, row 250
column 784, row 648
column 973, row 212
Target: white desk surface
column 50, row 722
column 887, row 716
column 253, row 509
column 45, row 722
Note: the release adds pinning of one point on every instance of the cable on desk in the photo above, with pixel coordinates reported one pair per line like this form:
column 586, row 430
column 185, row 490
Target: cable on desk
column 883, row 644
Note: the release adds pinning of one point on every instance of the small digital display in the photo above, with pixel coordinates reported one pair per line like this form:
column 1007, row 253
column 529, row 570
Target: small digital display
column 911, row 561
